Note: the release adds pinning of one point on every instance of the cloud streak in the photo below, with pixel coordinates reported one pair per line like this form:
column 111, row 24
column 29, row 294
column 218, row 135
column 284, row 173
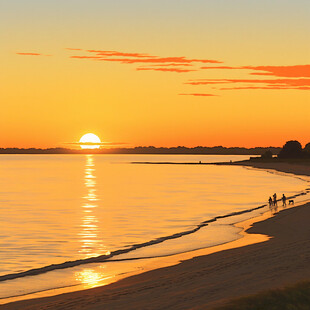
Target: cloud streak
column 118, row 54
column 199, row 95
column 31, row 54
column 276, row 71
column 277, row 82
column 152, row 60
column 266, row 87
column 96, row 143
column 178, row 70
column 132, row 58
column 73, row 49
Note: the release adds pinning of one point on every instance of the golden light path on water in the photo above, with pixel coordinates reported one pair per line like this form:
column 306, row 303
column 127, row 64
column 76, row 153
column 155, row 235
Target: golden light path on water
column 91, row 245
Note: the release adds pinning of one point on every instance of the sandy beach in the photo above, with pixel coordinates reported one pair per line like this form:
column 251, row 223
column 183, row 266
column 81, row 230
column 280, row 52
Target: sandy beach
column 210, row 280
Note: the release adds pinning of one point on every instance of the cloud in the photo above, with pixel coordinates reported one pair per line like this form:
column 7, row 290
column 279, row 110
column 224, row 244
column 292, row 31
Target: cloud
column 96, row 143
column 206, row 82
column 118, row 54
column 266, row 87
column 282, row 71
column 171, row 64
column 132, row 58
column 73, row 49
column 221, row 67
column 31, row 54
column 276, row 82
column 178, row 70
column 160, row 60
column 199, row 95
column 86, row 57
column 276, row 71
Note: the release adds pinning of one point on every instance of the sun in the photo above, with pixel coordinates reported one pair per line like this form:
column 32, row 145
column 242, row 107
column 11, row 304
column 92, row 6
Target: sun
column 89, row 141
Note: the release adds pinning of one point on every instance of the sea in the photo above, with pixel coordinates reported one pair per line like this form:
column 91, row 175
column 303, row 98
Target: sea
column 78, row 221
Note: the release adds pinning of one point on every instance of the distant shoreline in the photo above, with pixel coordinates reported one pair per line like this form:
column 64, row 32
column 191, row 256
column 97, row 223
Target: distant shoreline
column 301, row 167
column 151, row 150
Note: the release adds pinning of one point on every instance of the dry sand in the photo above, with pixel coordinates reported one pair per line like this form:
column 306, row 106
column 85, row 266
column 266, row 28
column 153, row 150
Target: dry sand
column 206, row 281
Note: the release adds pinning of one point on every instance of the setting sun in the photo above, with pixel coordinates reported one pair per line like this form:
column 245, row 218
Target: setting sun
column 89, row 141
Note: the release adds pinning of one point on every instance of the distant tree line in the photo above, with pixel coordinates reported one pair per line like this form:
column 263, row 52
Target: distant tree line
column 291, row 149
column 220, row 150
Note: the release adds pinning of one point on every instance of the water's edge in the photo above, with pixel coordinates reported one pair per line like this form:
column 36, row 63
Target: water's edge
column 103, row 258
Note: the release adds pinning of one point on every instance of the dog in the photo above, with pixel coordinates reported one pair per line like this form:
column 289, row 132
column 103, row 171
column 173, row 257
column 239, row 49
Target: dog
column 291, row 202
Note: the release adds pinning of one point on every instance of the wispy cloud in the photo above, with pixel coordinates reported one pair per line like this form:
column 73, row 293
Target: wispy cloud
column 199, row 95
column 96, row 143
column 153, row 60
column 276, row 71
column 282, row 71
column 221, row 68
column 172, row 64
column 178, row 70
column 86, row 57
column 278, row 82
column 267, row 87
column 132, row 58
column 73, row 49
column 118, row 54
column 31, row 54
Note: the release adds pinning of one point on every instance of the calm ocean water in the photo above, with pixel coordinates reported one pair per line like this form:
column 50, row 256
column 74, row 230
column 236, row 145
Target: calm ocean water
column 59, row 208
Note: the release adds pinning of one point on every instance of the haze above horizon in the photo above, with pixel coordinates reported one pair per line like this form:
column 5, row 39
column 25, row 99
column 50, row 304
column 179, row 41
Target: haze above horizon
column 160, row 73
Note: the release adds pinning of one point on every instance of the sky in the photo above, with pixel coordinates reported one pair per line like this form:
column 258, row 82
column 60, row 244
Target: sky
column 163, row 73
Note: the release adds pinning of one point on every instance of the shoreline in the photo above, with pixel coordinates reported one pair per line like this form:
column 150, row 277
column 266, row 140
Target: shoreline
column 163, row 261
column 206, row 272
column 285, row 167
column 251, row 237
column 292, row 168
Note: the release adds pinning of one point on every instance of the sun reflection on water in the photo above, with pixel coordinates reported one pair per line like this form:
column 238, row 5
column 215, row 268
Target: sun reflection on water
column 91, row 244
column 91, row 278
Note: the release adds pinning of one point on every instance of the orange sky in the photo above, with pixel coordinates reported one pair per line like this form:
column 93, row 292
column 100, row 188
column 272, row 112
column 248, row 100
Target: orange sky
column 163, row 73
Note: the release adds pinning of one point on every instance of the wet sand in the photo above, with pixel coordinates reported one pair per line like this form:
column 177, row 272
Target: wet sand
column 209, row 280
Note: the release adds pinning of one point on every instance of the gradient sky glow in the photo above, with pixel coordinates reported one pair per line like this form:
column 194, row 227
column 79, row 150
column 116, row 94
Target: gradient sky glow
column 144, row 75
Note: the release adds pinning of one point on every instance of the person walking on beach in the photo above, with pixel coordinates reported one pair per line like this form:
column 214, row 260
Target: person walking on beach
column 275, row 199
column 270, row 202
column 284, row 200
column 275, row 203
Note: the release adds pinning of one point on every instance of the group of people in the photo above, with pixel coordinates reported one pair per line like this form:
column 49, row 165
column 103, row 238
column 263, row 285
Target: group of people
column 273, row 202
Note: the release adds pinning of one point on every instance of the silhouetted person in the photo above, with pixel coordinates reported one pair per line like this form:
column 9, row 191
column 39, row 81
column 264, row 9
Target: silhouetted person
column 284, row 200
column 270, row 202
column 275, row 199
